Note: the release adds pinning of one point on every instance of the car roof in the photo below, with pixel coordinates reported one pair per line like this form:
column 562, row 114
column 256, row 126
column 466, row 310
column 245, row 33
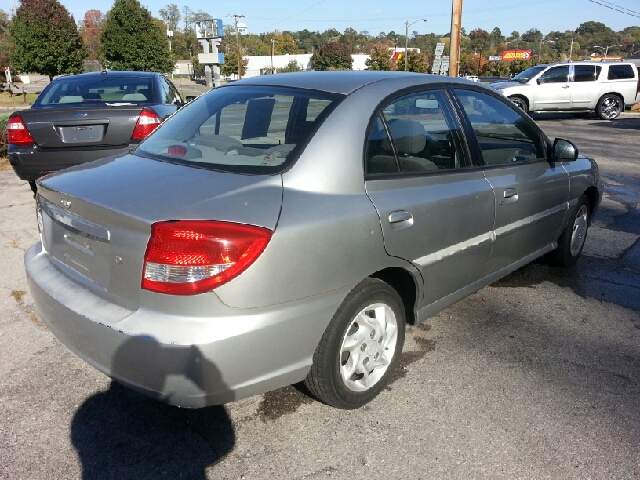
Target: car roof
column 341, row 82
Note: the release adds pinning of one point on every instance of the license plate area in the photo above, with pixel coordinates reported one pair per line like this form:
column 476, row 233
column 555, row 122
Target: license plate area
column 77, row 244
column 81, row 133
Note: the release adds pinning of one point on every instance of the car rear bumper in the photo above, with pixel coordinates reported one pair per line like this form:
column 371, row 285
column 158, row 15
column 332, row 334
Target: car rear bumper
column 31, row 163
column 184, row 361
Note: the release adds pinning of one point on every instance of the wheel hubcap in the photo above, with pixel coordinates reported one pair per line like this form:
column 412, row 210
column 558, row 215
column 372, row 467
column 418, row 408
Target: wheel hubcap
column 611, row 107
column 579, row 232
column 368, row 347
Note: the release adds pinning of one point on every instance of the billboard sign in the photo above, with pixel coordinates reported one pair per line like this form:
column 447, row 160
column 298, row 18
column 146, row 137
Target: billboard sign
column 495, row 58
column 511, row 55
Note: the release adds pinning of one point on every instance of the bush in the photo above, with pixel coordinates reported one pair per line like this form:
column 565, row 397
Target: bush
column 3, row 134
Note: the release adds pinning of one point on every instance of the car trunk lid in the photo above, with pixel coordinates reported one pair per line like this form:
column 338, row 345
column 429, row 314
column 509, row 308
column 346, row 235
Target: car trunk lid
column 97, row 221
column 81, row 126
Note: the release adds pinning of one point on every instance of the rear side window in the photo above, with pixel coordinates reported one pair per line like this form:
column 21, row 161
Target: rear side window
column 255, row 130
column 586, row 73
column 620, row 72
column 503, row 134
column 424, row 136
column 97, row 89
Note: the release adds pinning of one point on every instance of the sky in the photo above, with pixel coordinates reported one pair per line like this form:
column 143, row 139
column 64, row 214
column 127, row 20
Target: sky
column 377, row 16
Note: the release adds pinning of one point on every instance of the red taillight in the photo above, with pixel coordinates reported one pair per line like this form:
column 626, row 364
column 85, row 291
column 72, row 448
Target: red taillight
column 18, row 133
column 195, row 256
column 147, row 123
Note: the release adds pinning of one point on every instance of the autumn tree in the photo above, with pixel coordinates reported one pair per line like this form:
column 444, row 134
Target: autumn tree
column 379, row 57
column 332, row 56
column 45, row 39
column 131, row 39
column 416, row 62
column 4, row 39
column 283, row 43
column 90, row 32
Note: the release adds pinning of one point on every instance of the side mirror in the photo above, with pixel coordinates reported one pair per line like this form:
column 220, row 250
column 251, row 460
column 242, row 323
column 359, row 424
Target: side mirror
column 564, row 150
column 190, row 98
column 541, row 80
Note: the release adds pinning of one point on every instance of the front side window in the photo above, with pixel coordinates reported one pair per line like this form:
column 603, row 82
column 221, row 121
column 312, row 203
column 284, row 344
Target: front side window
column 503, row 135
column 586, row 73
column 255, row 130
column 424, row 136
column 557, row 74
column 103, row 89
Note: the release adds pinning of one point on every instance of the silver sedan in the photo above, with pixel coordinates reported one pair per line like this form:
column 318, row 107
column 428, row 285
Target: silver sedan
column 286, row 228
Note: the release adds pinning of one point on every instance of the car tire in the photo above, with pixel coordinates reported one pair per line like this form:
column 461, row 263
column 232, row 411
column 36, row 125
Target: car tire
column 521, row 103
column 572, row 239
column 366, row 331
column 610, row 106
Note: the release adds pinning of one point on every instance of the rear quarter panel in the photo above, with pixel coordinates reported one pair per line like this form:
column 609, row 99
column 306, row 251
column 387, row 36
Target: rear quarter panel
column 328, row 235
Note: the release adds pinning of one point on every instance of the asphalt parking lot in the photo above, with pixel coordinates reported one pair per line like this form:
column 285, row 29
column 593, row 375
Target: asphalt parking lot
column 536, row 376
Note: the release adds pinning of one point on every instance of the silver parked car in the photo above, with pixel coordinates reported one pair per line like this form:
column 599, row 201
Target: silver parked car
column 287, row 227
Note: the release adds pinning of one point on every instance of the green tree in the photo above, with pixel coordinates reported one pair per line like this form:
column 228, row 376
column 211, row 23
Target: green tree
column 45, row 39
column 131, row 39
column 332, row 56
column 379, row 57
column 171, row 16
column 292, row 66
column 230, row 65
column 498, row 69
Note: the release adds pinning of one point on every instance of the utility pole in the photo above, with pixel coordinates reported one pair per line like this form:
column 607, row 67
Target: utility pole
column 235, row 19
column 454, row 49
column 273, row 44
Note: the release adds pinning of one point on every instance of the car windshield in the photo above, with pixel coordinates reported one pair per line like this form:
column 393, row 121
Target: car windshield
column 242, row 129
column 529, row 73
column 103, row 89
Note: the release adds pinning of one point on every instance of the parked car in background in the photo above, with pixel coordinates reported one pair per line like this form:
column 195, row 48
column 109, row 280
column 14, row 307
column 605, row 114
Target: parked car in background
column 473, row 78
column 265, row 235
column 80, row 118
column 605, row 88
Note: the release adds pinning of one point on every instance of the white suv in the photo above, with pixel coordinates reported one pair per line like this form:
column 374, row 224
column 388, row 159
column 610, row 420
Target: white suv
column 604, row 87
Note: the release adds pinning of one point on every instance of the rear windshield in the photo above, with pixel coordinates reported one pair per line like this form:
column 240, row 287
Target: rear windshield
column 97, row 89
column 243, row 129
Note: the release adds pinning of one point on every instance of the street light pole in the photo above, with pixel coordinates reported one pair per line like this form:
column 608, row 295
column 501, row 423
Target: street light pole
column 606, row 49
column 406, row 40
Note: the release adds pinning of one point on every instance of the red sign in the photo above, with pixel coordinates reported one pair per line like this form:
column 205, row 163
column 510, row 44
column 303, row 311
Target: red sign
column 511, row 55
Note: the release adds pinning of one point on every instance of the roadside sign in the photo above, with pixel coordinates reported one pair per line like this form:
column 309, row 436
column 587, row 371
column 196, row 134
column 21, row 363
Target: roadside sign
column 7, row 74
column 439, row 49
column 435, row 68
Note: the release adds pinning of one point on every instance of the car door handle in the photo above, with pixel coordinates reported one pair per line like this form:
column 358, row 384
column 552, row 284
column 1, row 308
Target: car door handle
column 565, row 86
column 400, row 219
column 510, row 195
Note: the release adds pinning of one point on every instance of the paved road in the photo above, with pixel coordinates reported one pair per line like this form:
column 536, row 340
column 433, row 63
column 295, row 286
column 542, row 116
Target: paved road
column 537, row 376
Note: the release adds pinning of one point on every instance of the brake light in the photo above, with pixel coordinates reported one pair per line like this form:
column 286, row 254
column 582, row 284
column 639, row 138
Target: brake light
column 18, row 133
column 194, row 256
column 147, row 123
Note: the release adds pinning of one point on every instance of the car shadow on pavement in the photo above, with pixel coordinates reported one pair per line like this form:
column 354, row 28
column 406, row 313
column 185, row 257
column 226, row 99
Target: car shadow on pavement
column 121, row 434
column 621, row 123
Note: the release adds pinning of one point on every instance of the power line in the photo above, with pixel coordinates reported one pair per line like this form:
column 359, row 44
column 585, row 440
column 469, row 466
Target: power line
column 617, row 8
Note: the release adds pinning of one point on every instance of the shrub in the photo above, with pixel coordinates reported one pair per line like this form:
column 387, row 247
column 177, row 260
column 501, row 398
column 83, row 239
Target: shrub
column 3, row 134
